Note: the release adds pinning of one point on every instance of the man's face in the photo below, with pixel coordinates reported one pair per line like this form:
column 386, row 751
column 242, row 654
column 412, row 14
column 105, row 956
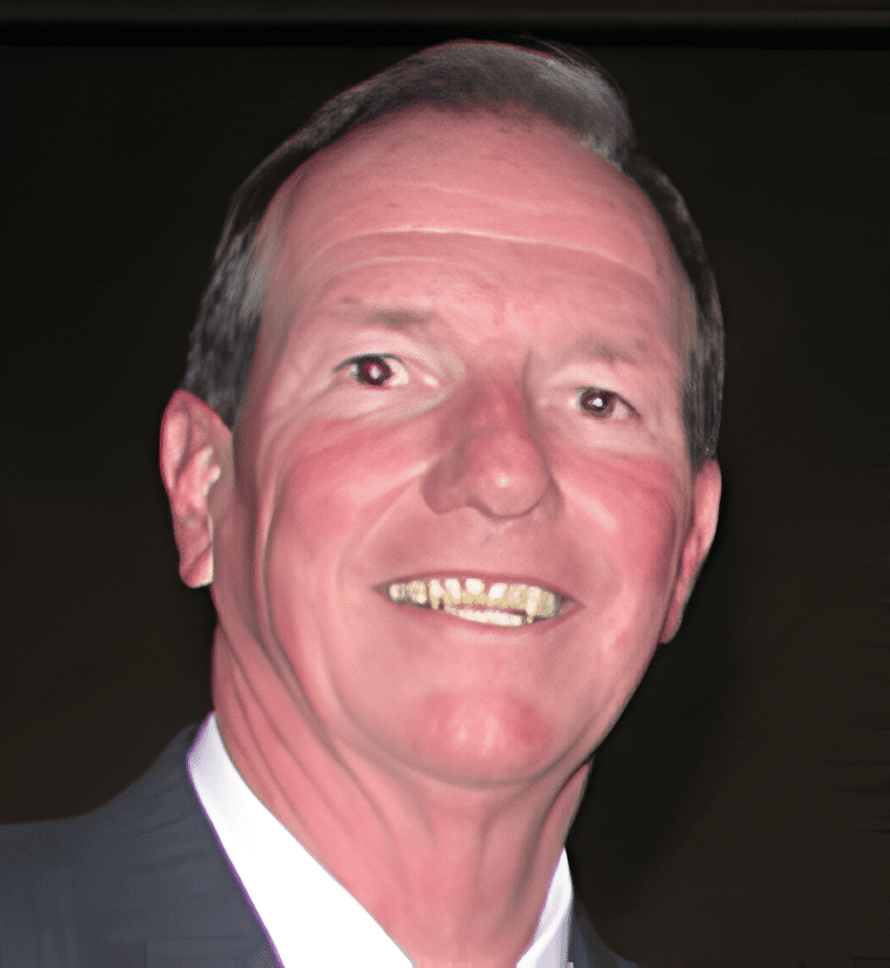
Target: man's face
column 468, row 378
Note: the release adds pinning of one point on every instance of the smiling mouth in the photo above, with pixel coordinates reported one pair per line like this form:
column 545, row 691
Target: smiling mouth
column 508, row 604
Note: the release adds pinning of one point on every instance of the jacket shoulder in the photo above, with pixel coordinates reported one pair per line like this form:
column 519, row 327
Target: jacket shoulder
column 141, row 870
column 586, row 948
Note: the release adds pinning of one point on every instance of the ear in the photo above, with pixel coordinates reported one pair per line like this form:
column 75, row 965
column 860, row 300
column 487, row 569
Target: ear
column 195, row 446
column 698, row 543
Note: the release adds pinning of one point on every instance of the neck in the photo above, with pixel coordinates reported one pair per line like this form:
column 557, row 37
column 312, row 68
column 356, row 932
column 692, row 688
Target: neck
column 455, row 874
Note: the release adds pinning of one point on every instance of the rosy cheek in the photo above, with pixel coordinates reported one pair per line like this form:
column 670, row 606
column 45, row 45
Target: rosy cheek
column 633, row 511
column 336, row 480
column 651, row 534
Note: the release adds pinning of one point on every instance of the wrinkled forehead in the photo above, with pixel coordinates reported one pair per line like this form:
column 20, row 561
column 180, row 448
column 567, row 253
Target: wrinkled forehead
column 492, row 176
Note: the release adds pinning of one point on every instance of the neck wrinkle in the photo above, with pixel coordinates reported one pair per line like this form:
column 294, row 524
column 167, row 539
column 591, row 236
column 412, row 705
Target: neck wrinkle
column 456, row 877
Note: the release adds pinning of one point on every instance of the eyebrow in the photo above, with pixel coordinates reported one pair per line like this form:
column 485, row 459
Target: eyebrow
column 608, row 351
column 398, row 320
column 589, row 346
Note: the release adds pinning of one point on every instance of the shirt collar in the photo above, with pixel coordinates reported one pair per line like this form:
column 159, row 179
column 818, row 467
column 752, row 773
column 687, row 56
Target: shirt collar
column 309, row 916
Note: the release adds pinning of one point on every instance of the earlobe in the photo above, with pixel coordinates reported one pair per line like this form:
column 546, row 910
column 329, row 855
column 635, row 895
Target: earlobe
column 698, row 543
column 195, row 446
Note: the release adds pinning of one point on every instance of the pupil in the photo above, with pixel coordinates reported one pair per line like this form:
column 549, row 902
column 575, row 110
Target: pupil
column 374, row 370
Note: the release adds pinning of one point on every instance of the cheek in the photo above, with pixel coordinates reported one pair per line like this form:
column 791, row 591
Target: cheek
column 649, row 537
column 636, row 505
column 636, row 512
column 330, row 486
column 335, row 482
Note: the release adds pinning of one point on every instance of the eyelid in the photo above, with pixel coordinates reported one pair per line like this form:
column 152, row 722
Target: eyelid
column 364, row 356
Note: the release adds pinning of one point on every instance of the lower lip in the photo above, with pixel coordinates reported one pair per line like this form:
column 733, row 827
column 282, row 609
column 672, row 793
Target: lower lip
column 566, row 609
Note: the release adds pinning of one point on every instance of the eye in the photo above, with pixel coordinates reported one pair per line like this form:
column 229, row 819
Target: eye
column 601, row 403
column 375, row 370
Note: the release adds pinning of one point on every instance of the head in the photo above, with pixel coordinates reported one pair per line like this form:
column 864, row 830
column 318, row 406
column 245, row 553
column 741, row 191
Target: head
column 462, row 502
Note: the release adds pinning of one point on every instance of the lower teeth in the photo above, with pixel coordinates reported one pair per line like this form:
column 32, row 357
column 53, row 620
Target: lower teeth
column 489, row 616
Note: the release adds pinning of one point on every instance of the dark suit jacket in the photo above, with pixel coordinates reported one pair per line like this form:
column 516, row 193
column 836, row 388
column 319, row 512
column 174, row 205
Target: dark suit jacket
column 143, row 883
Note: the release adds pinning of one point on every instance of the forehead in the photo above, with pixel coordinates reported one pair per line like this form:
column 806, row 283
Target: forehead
column 462, row 179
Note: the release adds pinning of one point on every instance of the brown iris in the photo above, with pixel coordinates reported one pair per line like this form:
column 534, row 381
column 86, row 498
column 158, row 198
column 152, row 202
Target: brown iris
column 599, row 402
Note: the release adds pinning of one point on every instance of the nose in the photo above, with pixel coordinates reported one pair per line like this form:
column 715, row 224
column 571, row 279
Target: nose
column 491, row 460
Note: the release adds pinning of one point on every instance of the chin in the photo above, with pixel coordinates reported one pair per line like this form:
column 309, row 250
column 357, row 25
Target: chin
column 479, row 738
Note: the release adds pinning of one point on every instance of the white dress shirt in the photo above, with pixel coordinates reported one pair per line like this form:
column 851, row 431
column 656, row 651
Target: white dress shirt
column 310, row 918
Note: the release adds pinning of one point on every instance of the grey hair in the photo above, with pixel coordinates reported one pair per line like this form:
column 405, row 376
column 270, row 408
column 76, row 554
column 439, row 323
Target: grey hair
column 554, row 82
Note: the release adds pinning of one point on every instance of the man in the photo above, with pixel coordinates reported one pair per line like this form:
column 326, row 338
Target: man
column 445, row 454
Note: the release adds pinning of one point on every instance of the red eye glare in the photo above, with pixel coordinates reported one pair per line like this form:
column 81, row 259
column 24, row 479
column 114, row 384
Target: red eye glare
column 598, row 402
column 373, row 370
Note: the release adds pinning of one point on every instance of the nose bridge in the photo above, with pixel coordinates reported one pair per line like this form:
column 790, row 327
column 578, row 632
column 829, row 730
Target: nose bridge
column 499, row 410
column 491, row 398
column 493, row 460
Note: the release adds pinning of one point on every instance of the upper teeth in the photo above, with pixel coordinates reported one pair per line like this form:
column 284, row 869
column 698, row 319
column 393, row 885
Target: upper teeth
column 503, row 599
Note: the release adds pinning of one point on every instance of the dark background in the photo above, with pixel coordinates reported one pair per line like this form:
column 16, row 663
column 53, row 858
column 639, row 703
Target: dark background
column 741, row 808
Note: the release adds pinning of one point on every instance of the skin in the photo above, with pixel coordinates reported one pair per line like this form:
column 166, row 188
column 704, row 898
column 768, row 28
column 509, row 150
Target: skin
column 434, row 765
